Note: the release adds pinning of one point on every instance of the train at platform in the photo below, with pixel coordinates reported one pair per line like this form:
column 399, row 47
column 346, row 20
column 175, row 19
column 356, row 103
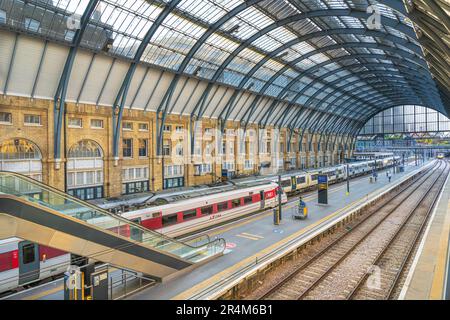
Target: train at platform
column 23, row 263
column 180, row 212
column 185, row 212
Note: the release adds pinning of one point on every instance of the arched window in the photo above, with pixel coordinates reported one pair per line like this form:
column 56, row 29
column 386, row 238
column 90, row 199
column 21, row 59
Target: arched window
column 85, row 170
column 21, row 156
column 85, row 149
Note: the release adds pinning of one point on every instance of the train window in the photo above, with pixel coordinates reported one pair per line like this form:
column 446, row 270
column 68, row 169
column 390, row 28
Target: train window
column 189, row 214
column 156, row 215
column 207, row 210
column 285, row 183
column 314, row 177
column 222, row 206
column 301, row 180
column 235, row 203
column 169, row 219
column 28, row 253
column 248, row 200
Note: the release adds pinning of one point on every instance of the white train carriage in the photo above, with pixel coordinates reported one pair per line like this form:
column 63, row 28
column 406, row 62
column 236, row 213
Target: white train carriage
column 358, row 168
column 23, row 263
column 313, row 176
column 193, row 212
column 301, row 181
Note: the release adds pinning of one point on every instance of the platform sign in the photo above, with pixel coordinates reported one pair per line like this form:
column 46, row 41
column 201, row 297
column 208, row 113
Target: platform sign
column 322, row 180
column 224, row 174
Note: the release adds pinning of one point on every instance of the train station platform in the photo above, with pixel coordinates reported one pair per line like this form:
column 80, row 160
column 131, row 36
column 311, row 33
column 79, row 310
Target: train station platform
column 428, row 276
column 248, row 239
column 252, row 238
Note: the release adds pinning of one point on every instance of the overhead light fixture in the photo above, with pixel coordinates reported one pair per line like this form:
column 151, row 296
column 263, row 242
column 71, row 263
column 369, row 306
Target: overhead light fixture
column 197, row 70
column 108, row 45
column 284, row 54
column 234, row 29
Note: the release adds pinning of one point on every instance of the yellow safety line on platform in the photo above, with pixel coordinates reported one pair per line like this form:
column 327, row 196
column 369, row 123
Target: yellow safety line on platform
column 263, row 215
column 252, row 235
column 437, row 287
column 247, row 237
column 44, row 293
column 202, row 285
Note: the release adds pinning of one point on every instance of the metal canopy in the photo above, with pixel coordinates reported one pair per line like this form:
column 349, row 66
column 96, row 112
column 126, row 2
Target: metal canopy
column 293, row 57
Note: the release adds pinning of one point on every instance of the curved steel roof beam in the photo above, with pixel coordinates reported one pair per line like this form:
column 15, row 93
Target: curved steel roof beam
column 331, row 126
column 323, row 64
column 409, row 73
column 121, row 96
column 59, row 105
column 307, row 15
column 397, row 40
column 347, row 45
column 321, row 50
column 348, row 109
column 343, row 58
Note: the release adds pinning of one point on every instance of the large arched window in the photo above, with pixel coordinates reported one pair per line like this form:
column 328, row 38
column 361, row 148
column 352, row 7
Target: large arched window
column 85, row 170
column 21, row 156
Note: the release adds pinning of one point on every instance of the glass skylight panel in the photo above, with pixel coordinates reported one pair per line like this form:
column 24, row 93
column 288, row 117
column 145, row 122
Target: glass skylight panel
column 352, row 22
column 282, row 34
column 289, row 55
column 123, row 22
column 324, row 41
column 386, row 11
column 217, row 48
column 273, row 65
column 337, row 4
column 208, row 10
column 240, row 65
column 230, row 77
column 318, row 4
column 250, row 55
column 177, row 35
column 367, row 39
column 257, row 85
column 282, row 80
column 302, row 99
column 201, row 68
column 249, row 21
column 43, row 17
column 319, row 58
column 211, row 54
column 273, row 90
column 303, row 48
column 376, row 51
column 264, row 73
column 305, row 64
column 267, row 43
column 162, row 57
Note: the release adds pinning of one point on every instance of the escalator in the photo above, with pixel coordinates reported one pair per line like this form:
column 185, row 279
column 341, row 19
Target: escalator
column 39, row 213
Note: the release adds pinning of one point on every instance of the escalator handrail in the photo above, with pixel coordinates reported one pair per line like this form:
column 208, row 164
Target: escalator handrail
column 105, row 212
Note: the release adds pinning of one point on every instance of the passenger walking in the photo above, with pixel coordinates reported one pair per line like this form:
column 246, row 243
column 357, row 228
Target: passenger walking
column 389, row 176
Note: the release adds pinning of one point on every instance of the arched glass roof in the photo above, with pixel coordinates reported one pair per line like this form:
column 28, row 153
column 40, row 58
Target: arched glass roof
column 318, row 55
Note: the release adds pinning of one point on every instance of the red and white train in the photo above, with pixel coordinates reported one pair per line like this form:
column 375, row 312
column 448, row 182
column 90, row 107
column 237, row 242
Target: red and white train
column 172, row 213
column 24, row 262
column 180, row 214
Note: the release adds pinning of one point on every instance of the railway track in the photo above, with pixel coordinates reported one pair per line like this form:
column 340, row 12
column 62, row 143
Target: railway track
column 343, row 269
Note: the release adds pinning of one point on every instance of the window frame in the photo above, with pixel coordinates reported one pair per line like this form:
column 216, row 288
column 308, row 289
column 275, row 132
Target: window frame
column 95, row 127
column 10, row 118
column 75, row 126
column 127, row 147
column 32, row 124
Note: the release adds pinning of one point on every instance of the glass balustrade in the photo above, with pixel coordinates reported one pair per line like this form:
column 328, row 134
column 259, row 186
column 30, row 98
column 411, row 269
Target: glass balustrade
column 45, row 196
